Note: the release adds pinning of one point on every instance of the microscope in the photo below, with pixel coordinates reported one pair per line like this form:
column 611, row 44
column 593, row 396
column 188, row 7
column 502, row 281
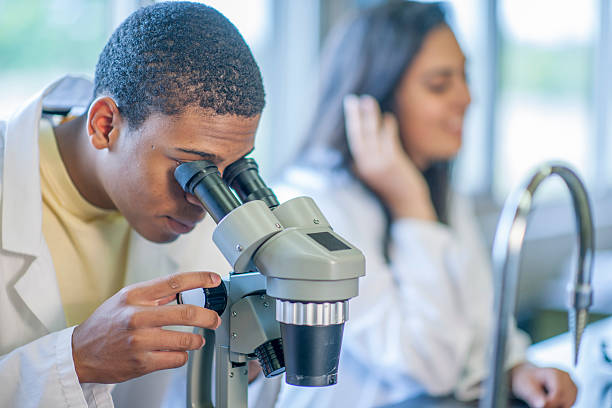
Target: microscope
column 286, row 301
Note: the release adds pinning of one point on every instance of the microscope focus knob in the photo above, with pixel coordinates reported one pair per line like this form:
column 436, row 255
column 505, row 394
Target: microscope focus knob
column 208, row 298
column 271, row 358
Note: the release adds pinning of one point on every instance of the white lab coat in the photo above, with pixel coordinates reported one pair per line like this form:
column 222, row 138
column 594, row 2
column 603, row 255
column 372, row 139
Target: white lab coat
column 421, row 323
column 36, row 366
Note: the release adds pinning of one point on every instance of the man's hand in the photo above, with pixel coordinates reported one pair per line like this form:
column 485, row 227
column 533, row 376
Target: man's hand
column 543, row 387
column 124, row 339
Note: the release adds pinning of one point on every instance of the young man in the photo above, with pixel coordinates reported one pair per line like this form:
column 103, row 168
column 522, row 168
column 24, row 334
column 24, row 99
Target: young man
column 85, row 204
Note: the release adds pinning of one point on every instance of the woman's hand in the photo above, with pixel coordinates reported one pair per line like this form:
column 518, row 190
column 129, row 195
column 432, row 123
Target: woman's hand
column 543, row 387
column 381, row 162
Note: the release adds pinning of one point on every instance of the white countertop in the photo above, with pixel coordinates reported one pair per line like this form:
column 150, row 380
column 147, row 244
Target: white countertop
column 593, row 374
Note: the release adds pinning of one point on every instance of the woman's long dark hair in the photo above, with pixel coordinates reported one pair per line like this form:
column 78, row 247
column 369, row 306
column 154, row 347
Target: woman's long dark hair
column 369, row 55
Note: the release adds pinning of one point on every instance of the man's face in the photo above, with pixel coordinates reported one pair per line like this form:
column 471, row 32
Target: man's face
column 140, row 167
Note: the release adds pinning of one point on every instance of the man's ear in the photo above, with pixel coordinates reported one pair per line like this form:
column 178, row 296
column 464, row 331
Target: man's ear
column 103, row 122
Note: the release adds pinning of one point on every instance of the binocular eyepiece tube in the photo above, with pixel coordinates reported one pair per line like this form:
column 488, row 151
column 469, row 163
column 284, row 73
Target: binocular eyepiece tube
column 243, row 176
column 202, row 179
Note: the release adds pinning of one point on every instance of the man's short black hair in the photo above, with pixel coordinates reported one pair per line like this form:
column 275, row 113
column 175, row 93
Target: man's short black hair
column 170, row 56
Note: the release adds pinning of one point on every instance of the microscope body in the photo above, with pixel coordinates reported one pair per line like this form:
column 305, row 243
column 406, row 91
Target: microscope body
column 287, row 298
column 247, row 322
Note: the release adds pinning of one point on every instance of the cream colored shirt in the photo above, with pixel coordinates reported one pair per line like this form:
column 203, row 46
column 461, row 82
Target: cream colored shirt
column 89, row 245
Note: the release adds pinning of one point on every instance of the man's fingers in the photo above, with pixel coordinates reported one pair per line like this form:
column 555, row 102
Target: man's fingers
column 151, row 292
column 166, row 340
column 174, row 315
column 165, row 300
column 162, row 360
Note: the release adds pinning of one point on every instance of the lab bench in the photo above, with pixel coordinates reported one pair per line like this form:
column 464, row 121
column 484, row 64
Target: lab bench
column 448, row 402
column 593, row 374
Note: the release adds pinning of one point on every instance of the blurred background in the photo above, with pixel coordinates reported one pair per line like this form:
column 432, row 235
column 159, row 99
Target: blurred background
column 539, row 73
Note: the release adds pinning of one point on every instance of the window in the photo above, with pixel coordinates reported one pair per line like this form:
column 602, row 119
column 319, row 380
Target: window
column 469, row 19
column 538, row 73
column 41, row 41
column 545, row 101
column 283, row 36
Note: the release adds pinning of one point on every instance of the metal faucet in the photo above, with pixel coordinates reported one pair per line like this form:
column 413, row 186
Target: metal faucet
column 506, row 250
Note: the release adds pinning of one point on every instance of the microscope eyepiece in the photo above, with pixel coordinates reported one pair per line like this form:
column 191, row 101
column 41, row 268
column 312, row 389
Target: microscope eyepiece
column 243, row 176
column 202, row 179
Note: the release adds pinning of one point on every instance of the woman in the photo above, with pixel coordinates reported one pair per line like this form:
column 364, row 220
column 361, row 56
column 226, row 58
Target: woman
column 378, row 166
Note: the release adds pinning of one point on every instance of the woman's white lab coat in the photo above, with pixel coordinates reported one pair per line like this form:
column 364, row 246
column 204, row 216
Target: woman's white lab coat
column 36, row 366
column 421, row 323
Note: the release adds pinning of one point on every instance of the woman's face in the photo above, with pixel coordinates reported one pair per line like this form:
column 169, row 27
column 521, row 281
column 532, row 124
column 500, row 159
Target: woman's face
column 432, row 98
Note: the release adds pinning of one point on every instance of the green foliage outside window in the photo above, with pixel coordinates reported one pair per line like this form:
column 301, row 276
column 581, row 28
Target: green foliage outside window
column 564, row 72
column 37, row 35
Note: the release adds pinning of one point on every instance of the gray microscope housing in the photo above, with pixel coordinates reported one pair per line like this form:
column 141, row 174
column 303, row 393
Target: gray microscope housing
column 283, row 254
